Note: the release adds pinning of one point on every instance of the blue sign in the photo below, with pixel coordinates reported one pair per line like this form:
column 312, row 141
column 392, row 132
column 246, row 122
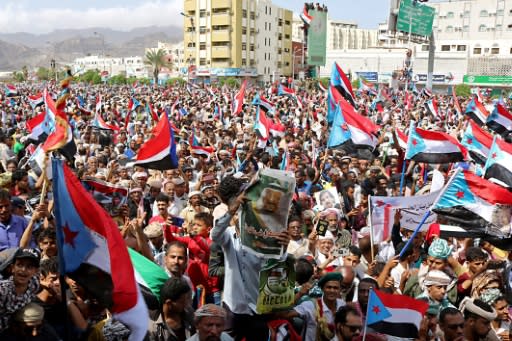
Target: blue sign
column 369, row 76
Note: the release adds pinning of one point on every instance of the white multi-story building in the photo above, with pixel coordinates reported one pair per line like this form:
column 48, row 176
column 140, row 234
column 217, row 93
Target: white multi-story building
column 273, row 40
column 345, row 35
column 473, row 40
column 128, row 66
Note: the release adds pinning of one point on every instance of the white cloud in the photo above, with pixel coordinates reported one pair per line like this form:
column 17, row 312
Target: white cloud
column 16, row 17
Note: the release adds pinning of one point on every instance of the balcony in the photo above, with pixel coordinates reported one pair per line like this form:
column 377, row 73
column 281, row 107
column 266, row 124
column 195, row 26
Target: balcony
column 221, row 19
column 220, row 64
column 189, row 5
column 216, row 4
column 220, row 35
column 221, row 52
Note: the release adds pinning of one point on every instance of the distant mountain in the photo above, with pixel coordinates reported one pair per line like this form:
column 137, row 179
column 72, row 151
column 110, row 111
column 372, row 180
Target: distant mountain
column 18, row 49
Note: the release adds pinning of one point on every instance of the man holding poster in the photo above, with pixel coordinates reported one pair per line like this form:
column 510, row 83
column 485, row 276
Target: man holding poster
column 242, row 264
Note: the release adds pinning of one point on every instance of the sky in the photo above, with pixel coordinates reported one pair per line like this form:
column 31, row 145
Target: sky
column 43, row 16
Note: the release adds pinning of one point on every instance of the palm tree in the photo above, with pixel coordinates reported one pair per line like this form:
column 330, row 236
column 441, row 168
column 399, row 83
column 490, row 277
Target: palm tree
column 157, row 60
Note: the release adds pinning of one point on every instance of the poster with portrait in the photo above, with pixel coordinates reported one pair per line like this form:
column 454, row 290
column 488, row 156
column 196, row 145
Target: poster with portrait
column 327, row 198
column 276, row 289
column 265, row 214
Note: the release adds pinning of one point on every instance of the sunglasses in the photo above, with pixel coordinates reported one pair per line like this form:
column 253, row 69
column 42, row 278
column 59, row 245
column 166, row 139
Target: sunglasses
column 354, row 329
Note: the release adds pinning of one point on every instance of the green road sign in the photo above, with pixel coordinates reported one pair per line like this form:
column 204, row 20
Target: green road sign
column 502, row 80
column 317, row 38
column 418, row 17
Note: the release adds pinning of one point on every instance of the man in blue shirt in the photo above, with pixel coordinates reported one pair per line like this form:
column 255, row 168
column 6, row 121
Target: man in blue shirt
column 11, row 226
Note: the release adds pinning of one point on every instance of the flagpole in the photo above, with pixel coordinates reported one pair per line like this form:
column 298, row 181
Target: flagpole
column 371, row 226
column 402, row 176
column 366, row 317
column 428, row 213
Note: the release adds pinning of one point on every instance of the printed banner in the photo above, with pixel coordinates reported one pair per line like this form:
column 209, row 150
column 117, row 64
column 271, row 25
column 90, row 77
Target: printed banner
column 276, row 290
column 265, row 214
column 412, row 210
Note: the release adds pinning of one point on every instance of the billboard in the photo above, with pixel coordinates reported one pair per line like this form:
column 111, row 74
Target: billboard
column 317, row 38
column 416, row 17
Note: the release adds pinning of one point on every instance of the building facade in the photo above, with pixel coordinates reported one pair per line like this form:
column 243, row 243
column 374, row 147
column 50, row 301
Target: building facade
column 473, row 45
column 237, row 38
column 127, row 66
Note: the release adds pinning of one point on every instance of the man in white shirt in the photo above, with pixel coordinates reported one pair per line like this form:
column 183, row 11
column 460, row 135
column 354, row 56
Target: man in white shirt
column 319, row 314
column 241, row 280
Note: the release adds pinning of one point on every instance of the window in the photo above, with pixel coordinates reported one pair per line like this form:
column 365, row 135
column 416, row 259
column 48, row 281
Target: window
column 287, row 22
column 495, row 50
column 465, row 28
column 482, row 28
column 500, row 12
column 280, row 36
column 265, row 9
column 270, row 10
column 202, row 46
column 253, row 15
column 461, row 47
column 499, row 27
column 244, row 31
column 484, row 13
column 244, row 13
column 244, row 62
column 449, row 15
column 202, row 13
column 244, row 46
column 445, row 47
column 286, row 36
column 511, row 50
column 466, row 14
column 424, row 47
column 251, row 47
column 270, row 26
column 477, row 50
column 449, row 29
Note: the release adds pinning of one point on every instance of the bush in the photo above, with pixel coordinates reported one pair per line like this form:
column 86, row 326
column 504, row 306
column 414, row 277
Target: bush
column 463, row 90
column 175, row 81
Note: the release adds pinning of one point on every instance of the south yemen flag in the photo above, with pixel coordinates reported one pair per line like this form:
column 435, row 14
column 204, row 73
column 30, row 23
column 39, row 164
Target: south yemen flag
column 395, row 315
column 433, row 147
column 499, row 163
column 477, row 112
column 470, row 201
column 93, row 253
column 477, row 141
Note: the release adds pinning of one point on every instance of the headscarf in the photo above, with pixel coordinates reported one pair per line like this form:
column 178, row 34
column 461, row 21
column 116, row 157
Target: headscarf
column 439, row 249
column 490, row 295
column 482, row 280
column 437, row 277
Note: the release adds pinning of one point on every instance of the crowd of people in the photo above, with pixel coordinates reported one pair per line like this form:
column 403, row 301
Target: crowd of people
column 186, row 221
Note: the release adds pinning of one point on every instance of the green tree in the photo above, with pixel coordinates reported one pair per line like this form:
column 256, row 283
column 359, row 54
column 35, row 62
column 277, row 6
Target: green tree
column 24, row 70
column 18, row 76
column 463, row 90
column 157, row 60
column 117, row 80
column 43, row 74
column 91, row 76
